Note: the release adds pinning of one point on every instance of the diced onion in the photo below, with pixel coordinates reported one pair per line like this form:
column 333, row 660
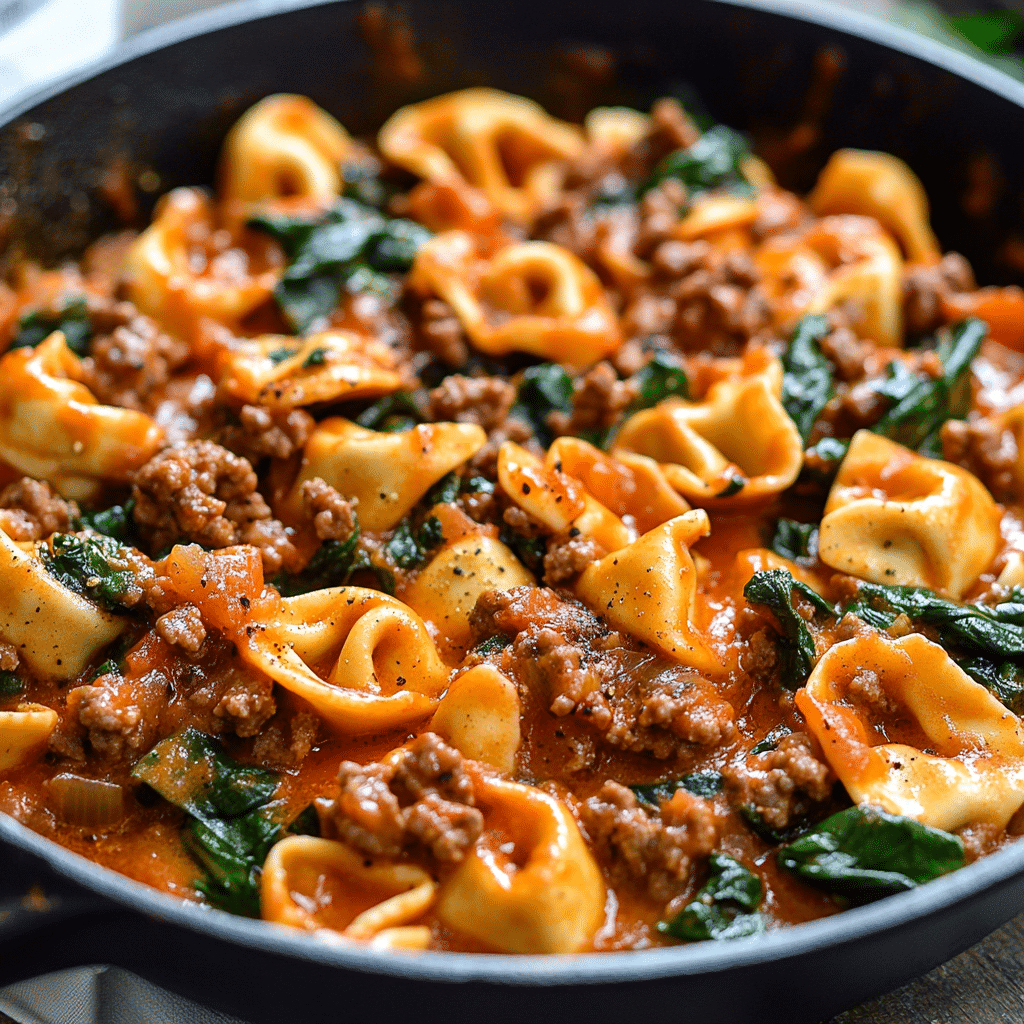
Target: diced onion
column 90, row 803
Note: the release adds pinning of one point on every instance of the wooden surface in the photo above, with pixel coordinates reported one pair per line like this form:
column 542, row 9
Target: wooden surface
column 985, row 985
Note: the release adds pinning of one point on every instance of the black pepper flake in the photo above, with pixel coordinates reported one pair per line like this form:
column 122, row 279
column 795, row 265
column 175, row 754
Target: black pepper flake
column 526, row 488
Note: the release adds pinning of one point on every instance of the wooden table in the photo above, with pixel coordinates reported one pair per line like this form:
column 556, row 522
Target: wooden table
column 985, row 985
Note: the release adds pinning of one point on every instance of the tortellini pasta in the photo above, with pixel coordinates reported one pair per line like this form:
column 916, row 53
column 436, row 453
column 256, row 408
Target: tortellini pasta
column 736, row 446
column 53, row 428
column 387, row 473
column 533, row 297
column 284, row 146
column 171, row 278
column 312, row 883
column 23, row 731
column 881, row 186
column 865, row 695
column 327, row 367
column 55, row 631
column 384, row 669
column 649, row 590
column 504, row 145
column 536, row 889
column 894, row 516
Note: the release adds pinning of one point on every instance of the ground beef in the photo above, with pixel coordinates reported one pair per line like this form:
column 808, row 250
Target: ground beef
column 262, row 432
column 233, row 699
column 182, row 627
column 987, row 450
column 441, row 334
column 654, row 851
column 568, row 556
column 599, row 398
column 847, row 352
column 286, row 741
column 485, row 461
column 482, row 400
column 924, row 288
column 201, row 492
column 422, row 797
column 333, row 517
column 9, row 659
column 782, row 785
column 32, row 510
column 130, row 358
column 121, row 715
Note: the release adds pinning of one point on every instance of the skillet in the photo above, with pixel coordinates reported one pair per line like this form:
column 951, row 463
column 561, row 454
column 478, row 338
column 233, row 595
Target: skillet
column 803, row 82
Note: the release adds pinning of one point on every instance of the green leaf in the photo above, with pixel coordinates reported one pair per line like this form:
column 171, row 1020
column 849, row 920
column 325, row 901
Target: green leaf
column 10, row 685
column 1004, row 678
column 446, row 490
column 994, row 32
column 306, row 822
column 83, row 564
column 332, row 565
column 774, row 589
column 116, row 521
column 771, row 740
column 72, row 319
column 703, row 784
column 529, row 550
column 865, row 853
column 660, row 378
column 822, row 461
column 315, row 358
column 491, row 645
column 795, row 540
column 734, row 486
column 391, row 414
column 410, row 548
column 543, row 390
column 725, row 908
column 712, row 162
column 808, row 382
column 351, row 246
column 233, row 823
column 922, row 404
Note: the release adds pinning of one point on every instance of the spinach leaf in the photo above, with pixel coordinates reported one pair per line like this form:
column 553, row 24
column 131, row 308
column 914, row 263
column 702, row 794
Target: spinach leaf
column 725, row 908
column 83, row 564
column 795, row 540
column 808, row 382
column 363, row 183
column 771, row 740
column 922, row 404
column 331, row 566
column 116, row 521
column 704, row 784
column 391, row 414
column 774, row 589
column 660, row 378
column 529, row 550
column 72, row 319
column 233, row 822
column 10, row 685
column 446, row 491
column 409, row 548
column 1005, row 679
column 822, row 461
column 712, row 162
column 306, row 822
column 350, row 246
column 864, row 853
column 544, row 389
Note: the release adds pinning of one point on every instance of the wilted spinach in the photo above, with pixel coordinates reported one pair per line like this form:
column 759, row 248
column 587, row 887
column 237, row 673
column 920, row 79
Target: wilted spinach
column 808, row 382
column 351, row 246
column 703, row 784
column 409, row 547
column 72, row 319
column 86, row 565
column 391, row 414
column 795, row 540
column 725, row 908
column 543, row 389
column 333, row 565
column 116, row 521
column 865, row 853
column 712, row 162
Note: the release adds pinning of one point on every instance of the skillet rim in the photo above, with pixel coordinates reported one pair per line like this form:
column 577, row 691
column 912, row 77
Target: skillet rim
column 519, row 970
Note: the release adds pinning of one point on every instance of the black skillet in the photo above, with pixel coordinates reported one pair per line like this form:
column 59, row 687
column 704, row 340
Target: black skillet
column 803, row 84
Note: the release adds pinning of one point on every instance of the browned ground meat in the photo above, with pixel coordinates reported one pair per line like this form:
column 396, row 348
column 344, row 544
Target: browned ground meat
column 201, row 492
column 32, row 510
column 333, row 517
column 782, row 784
column 131, row 358
column 482, row 400
column 924, row 287
column 985, row 448
column 485, row 462
column 566, row 659
column 286, row 740
column 847, row 352
column 263, row 432
column 233, row 699
column 568, row 556
column 9, row 658
column 121, row 715
column 441, row 333
column 598, row 400
column 424, row 797
column 182, row 627
column 654, row 851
